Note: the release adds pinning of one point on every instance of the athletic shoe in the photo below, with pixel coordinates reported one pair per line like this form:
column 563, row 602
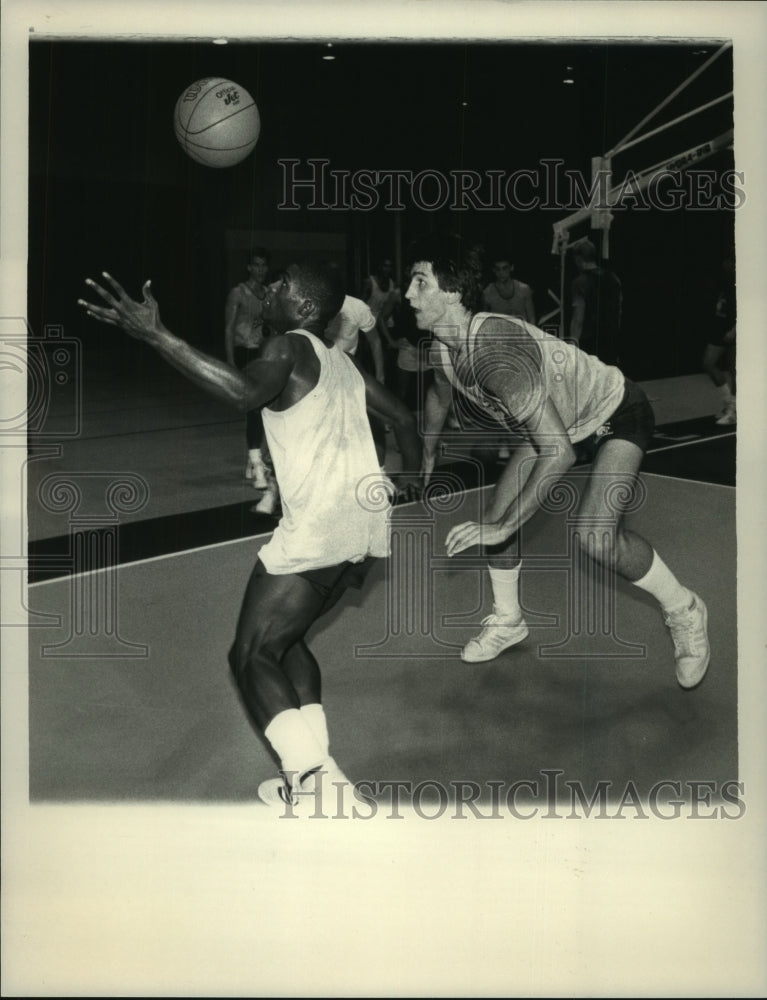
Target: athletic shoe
column 691, row 648
column 317, row 794
column 275, row 792
column 267, row 503
column 728, row 416
column 498, row 633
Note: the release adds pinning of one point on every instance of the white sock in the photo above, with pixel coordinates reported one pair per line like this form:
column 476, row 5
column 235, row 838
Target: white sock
column 254, row 454
column 314, row 715
column 726, row 392
column 664, row 586
column 294, row 742
column 505, row 583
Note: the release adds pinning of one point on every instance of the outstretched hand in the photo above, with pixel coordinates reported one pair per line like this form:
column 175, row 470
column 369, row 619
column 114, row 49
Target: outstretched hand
column 463, row 536
column 139, row 319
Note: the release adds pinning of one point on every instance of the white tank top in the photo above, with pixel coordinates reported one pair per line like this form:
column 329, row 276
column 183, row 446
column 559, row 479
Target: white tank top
column 584, row 391
column 334, row 496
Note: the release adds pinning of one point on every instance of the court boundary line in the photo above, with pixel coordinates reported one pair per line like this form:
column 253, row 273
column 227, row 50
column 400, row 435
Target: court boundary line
column 686, row 444
column 252, row 538
column 685, row 479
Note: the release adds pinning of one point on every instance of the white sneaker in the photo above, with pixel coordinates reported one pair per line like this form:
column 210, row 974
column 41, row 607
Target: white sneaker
column 321, row 793
column 691, row 647
column 728, row 416
column 267, row 503
column 498, row 633
column 276, row 792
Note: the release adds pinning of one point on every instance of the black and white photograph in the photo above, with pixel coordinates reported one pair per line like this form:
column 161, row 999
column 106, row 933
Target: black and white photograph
column 383, row 557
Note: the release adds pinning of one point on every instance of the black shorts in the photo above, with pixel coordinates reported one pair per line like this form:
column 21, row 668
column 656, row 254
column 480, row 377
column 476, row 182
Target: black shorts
column 331, row 581
column 632, row 420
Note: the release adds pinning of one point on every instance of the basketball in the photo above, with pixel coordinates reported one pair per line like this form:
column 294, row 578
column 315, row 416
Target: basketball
column 216, row 122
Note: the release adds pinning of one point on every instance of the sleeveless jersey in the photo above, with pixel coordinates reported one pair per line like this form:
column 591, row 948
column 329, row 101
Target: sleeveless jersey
column 248, row 328
column 334, row 497
column 537, row 367
column 514, row 305
column 378, row 298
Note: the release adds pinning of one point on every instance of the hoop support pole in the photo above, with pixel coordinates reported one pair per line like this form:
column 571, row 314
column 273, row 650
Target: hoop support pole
column 671, row 96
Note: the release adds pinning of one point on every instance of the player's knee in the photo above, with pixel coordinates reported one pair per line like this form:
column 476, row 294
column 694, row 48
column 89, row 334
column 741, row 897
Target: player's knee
column 251, row 653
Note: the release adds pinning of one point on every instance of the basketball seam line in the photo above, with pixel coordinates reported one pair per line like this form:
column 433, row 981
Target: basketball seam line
column 218, row 149
column 220, row 120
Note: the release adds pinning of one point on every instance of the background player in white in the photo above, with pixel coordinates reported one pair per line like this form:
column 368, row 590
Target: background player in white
column 243, row 336
column 553, row 395
column 314, row 400
column 506, row 294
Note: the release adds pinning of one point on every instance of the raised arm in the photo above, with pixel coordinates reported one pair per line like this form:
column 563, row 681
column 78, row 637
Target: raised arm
column 265, row 379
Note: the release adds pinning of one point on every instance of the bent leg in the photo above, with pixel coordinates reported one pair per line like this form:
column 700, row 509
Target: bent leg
column 276, row 613
column 505, row 627
column 713, row 354
column 303, row 672
column 613, row 488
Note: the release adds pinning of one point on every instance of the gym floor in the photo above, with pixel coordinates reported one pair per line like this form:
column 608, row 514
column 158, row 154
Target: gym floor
column 141, row 540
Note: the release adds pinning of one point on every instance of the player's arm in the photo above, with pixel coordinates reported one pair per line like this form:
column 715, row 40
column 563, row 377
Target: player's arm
column 265, row 379
column 382, row 320
column 230, row 315
column 370, row 331
column 509, row 369
column 576, row 319
column 532, row 472
column 529, row 306
column 386, row 406
column 439, row 399
column 551, row 454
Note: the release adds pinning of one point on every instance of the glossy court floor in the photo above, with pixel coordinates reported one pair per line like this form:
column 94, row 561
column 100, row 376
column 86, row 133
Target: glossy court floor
column 141, row 540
